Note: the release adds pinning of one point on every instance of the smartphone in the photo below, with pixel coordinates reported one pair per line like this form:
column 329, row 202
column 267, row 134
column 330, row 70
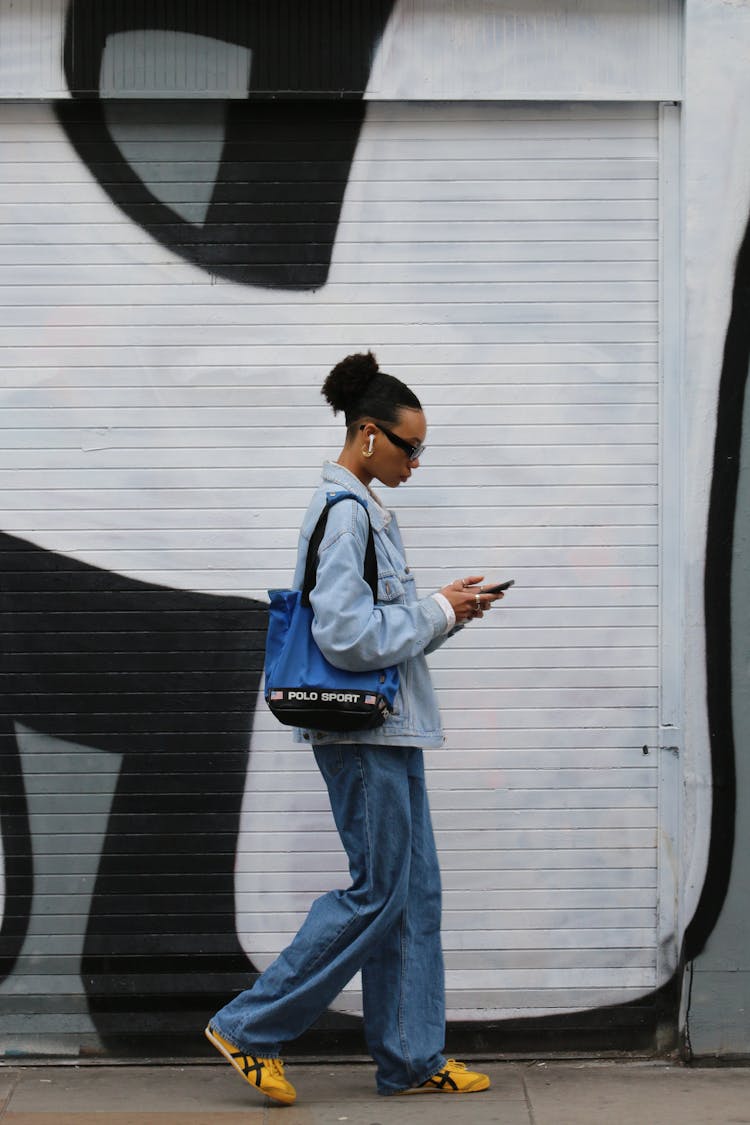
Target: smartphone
column 499, row 588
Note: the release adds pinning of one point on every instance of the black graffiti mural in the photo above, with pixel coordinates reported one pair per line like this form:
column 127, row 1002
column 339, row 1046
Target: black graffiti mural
column 164, row 682
column 152, row 690
column 271, row 198
column 726, row 623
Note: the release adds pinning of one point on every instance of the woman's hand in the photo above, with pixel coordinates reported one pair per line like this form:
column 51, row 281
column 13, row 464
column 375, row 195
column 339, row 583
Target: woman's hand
column 467, row 600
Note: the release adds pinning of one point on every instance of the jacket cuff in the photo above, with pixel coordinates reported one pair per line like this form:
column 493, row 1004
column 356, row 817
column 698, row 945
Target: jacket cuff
column 447, row 609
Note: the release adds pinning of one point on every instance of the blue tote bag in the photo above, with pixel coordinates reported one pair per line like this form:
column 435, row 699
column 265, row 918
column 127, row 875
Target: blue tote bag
column 302, row 688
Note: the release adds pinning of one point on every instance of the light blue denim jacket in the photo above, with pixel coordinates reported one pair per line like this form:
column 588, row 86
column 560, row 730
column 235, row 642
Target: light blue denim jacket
column 353, row 633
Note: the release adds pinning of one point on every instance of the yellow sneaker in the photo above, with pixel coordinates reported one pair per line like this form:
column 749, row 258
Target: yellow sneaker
column 266, row 1075
column 456, row 1078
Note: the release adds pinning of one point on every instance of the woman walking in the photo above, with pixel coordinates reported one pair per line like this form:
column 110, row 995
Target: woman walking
column 387, row 922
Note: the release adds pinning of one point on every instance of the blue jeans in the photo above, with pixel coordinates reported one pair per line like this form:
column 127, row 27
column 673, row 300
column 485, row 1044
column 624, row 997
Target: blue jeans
column 387, row 923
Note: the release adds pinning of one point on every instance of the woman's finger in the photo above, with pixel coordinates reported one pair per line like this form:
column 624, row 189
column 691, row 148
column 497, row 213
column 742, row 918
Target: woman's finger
column 472, row 580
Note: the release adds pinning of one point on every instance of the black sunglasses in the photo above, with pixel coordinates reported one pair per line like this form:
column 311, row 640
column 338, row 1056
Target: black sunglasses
column 413, row 452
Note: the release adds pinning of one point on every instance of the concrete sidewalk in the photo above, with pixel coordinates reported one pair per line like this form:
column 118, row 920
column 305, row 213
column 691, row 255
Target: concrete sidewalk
column 522, row 1093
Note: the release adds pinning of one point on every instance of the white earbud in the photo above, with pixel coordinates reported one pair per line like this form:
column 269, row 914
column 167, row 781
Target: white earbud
column 370, row 443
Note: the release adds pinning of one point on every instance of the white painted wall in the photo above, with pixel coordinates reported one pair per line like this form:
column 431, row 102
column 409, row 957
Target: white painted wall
column 531, row 50
column 443, row 49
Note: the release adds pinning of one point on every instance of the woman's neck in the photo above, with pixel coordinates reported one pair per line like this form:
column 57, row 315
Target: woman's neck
column 349, row 460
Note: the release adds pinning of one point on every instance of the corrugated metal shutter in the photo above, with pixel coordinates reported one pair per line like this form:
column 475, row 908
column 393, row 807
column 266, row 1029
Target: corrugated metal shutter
column 166, row 425
column 511, row 275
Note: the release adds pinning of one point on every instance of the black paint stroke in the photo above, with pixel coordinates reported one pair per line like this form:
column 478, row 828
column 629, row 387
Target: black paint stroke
column 168, row 679
column 17, row 850
column 277, row 198
column 313, row 48
column 717, row 597
column 279, row 190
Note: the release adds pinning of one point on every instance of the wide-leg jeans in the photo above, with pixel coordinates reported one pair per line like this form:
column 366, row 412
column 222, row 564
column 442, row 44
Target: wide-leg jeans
column 386, row 923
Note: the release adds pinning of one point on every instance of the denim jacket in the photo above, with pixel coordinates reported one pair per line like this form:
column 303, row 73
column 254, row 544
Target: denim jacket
column 353, row 633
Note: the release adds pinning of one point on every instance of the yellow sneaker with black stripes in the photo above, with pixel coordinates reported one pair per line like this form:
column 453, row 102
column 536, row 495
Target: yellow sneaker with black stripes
column 454, row 1078
column 266, row 1075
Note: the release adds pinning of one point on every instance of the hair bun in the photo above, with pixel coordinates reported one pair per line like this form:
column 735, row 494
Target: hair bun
column 349, row 380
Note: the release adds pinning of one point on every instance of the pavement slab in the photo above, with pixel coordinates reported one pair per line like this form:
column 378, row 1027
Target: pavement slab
column 647, row 1094
column 216, row 1095
column 522, row 1093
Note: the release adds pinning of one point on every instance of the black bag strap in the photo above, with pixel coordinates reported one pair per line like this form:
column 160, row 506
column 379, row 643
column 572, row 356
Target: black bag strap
column 311, row 563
